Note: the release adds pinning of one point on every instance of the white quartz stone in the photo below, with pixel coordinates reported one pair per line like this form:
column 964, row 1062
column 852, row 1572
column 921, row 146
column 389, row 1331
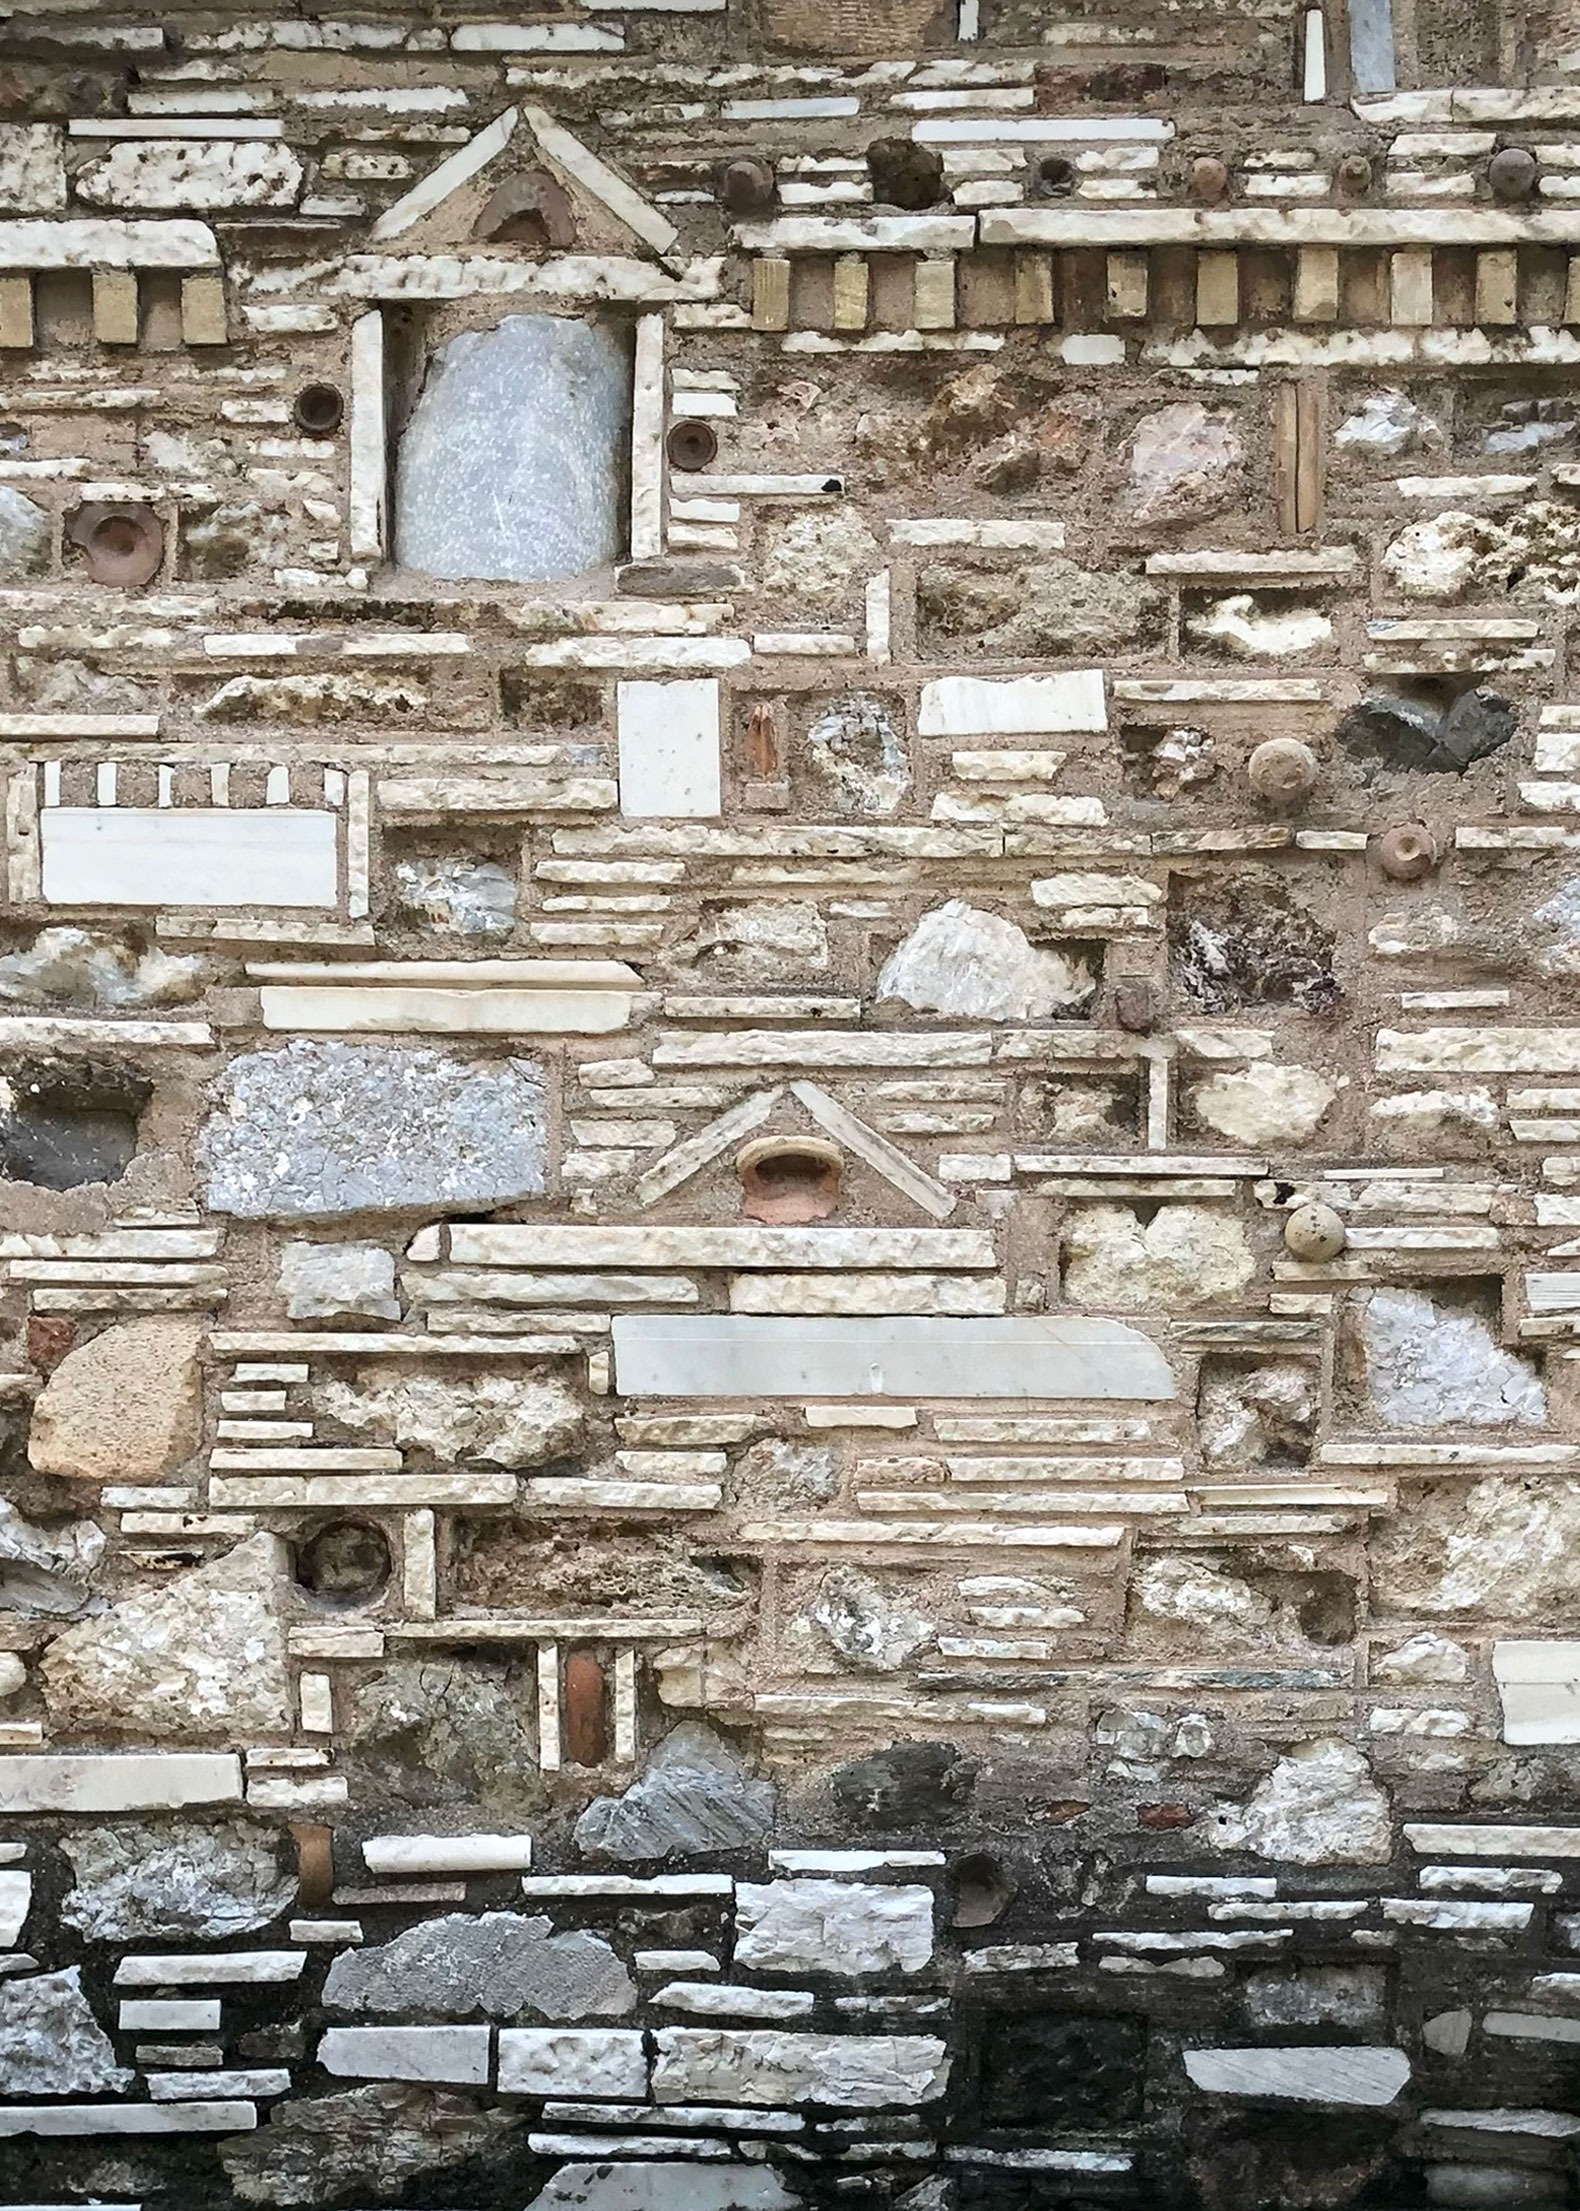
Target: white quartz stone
column 202, row 856
column 1318, row 1806
column 960, row 960
column 1264, row 1104
column 669, row 736
column 406, row 2053
column 572, row 2061
column 328, row 1281
column 839, row 1927
column 1428, row 1364
column 1350, row 2076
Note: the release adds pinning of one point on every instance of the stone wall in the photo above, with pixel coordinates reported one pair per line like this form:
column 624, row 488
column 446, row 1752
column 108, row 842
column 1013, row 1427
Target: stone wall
column 789, row 1106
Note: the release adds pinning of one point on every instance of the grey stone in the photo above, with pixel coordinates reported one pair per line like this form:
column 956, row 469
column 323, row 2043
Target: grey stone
column 198, row 1656
column 514, row 462
column 45, row 1571
column 502, row 1419
column 1405, row 734
column 24, row 534
column 1427, row 1365
column 1502, row 1546
column 760, row 940
column 630, row 2185
column 1250, row 1416
column 1353, row 1996
column 816, row 556
column 136, row 1884
column 465, row 898
column 373, row 2141
column 697, row 1794
column 50, row 2042
column 776, row 1471
column 323, row 1128
column 329, row 1281
column 501, row 1965
column 854, row 743
column 87, row 967
column 446, row 1730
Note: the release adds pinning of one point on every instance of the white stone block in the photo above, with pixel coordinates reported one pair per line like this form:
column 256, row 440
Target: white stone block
column 1350, row 2076
column 203, row 856
column 669, row 748
column 1539, row 1684
column 841, row 1927
column 1013, row 706
column 406, row 2053
column 852, row 2072
column 572, row 2061
column 131, row 1781
column 447, row 1853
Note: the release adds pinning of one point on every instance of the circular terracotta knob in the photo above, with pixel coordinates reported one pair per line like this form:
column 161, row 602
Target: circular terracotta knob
column 1209, row 177
column 317, row 409
column 1314, row 1231
column 1282, row 770
column 1355, row 176
column 1407, row 852
column 1512, row 173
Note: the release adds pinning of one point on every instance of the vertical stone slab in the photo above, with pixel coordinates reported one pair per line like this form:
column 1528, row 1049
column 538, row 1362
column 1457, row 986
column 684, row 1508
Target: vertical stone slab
column 669, row 749
column 366, row 508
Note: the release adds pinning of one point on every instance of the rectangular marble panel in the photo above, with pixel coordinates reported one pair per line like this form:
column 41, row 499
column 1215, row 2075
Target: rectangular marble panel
column 669, row 748
column 199, row 856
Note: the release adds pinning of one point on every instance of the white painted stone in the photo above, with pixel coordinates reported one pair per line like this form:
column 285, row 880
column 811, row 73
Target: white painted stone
column 851, row 2072
column 838, row 1927
column 669, row 736
column 1012, row 706
column 1428, row 1365
column 406, row 2053
column 742, row 1355
column 1323, row 2075
column 1318, row 1806
column 206, row 856
column 572, row 2061
column 961, row 961
column 1264, row 1104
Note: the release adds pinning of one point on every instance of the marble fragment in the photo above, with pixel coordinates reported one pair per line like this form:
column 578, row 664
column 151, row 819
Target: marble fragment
column 501, row 1964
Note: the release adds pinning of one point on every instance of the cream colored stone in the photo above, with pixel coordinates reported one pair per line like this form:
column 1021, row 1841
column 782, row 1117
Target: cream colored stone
column 1318, row 1807
column 1264, row 1105
column 1185, row 1255
column 124, row 1407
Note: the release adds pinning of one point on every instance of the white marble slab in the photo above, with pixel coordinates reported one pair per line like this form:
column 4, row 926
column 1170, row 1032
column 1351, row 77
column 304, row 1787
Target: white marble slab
column 112, row 1781
column 199, row 855
column 406, row 2053
column 1013, row 706
column 669, row 749
column 1318, row 2075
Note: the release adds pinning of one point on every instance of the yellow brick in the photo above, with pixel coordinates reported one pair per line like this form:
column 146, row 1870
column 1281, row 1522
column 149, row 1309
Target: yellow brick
column 935, row 295
column 115, row 306
column 1498, row 286
column 1317, row 284
column 851, row 289
column 16, row 312
column 1217, row 288
column 1127, row 286
column 770, row 295
column 203, row 310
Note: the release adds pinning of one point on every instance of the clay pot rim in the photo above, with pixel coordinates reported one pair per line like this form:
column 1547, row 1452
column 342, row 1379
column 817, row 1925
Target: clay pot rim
column 751, row 1156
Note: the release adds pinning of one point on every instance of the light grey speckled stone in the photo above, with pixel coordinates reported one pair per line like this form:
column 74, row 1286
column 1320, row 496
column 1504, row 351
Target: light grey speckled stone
column 212, row 1882
column 695, row 1795
column 323, row 1128
column 50, row 2042
column 513, row 463
column 500, row 1965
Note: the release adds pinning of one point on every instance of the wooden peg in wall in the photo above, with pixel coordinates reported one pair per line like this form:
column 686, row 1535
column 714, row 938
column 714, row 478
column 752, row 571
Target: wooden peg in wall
column 761, row 748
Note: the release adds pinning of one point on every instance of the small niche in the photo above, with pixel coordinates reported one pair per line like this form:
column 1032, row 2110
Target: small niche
column 789, row 1180
column 64, row 1123
column 344, row 1563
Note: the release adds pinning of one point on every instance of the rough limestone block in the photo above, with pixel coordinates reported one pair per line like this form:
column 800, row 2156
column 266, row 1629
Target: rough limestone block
column 124, row 1407
column 839, row 1927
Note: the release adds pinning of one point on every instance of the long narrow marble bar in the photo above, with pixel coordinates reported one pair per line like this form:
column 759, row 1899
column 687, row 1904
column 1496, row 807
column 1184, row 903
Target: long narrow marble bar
column 739, row 1355
column 118, row 1781
column 1364, row 228
column 128, row 2118
column 526, row 1244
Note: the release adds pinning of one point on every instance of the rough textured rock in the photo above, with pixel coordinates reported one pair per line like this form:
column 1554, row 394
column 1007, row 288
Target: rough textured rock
column 502, row 1964
column 47, row 1570
column 758, row 942
column 158, row 175
column 1424, row 1365
column 1318, row 1807
column 1407, row 734
column 324, row 696
column 814, row 558
column 374, row 2140
column 908, row 1788
column 864, row 1624
column 124, row 1407
column 51, row 2044
column 202, row 1882
column 1500, row 1546
column 1348, row 1996
column 446, row 1730
column 1264, row 1104
column 1196, row 1595
column 1052, row 607
column 469, row 898
column 470, row 501
column 202, row 1655
column 631, row 2185
column 1247, row 941
column 313, row 1128
column 1184, row 465
column 1388, row 423
column 838, row 1927
column 24, row 534
column 1185, row 1255
column 1258, row 1415
column 850, row 2072
column 697, row 1794
column 1424, row 1657
column 959, row 960
column 32, row 172
column 89, row 967
column 1242, row 626
column 1438, row 558
column 331, row 1281
column 499, row 1419
column 856, row 746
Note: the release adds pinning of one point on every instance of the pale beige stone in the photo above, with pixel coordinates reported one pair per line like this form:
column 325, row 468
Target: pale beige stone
column 125, row 1407
column 1264, row 1104
column 1185, row 1255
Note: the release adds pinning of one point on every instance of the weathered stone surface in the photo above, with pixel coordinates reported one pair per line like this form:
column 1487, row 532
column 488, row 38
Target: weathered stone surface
column 1350, row 1996
column 471, row 499
column 1063, row 2070
column 51, row 2044
column 1198, row 1596
column 856, row 745
column 1318, row 1807
column 322, row 696
column 47, row 1570
column 908, row 1788
column 207, row 1882
column 90, row 967
column 697, row 1794
column 502, row 1964
column 471, row 898
column 499, row 1419
column 1264, row 1104
column 1386, row 424
column 1327, row 2076
column 868, row 1627
column 1423, row 1657
column 1243, row 627
column 778, row 1472
column 1404, row 733
column 333, row 1281
column 199, row 1656
column 839, row 1927
column 124, row 1407
column 848, row 2072
column 978, row 966
column 630, row 2185
column 446, row 1730
column 1185, row 1255
column 24, row 534
column 815, row 557
column 1501, row 1546
column 1184, row 465
column 1258, row 1415
column 1054, row 607
column 160, row 174
column 1425, row 1364
column 376, row 2140
column 758, row 942
column 1247, row 941
column 32, row 171
column 325, row 1128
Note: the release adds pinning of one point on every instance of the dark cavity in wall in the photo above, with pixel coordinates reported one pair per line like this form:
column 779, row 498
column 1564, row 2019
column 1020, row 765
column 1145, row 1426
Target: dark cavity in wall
column 67, row 1122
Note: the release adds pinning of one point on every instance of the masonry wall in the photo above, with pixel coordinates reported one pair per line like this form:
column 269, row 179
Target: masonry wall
column 789, row 1107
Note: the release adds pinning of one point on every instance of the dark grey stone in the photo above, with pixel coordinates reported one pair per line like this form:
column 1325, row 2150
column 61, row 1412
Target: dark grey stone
column 501, row 1964
column 696, row 1795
